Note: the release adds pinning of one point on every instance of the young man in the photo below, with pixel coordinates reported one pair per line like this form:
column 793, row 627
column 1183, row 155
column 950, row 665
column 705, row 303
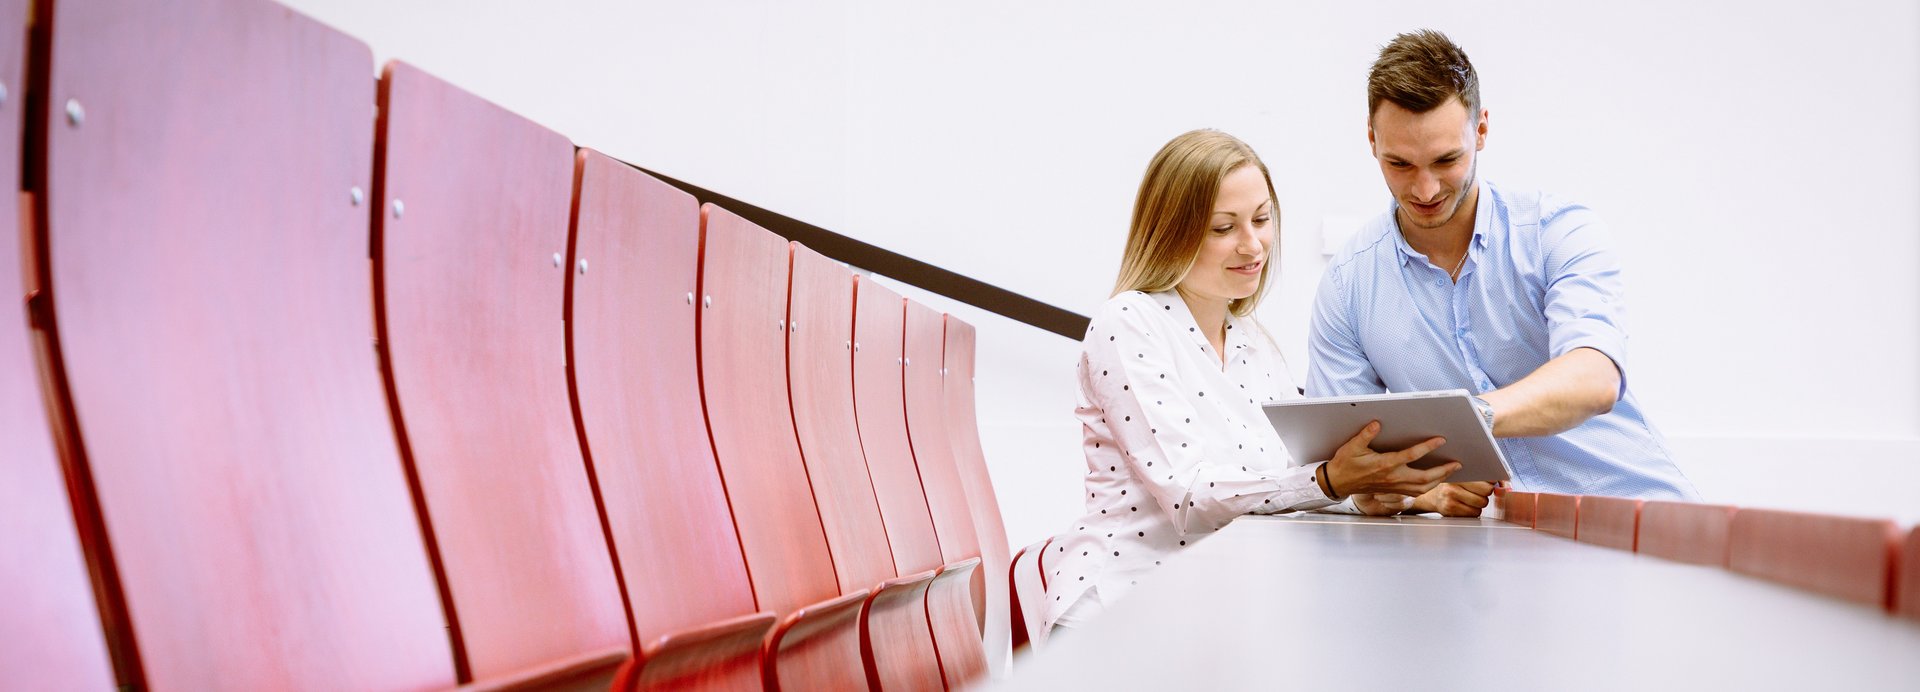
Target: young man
column 1462, row 284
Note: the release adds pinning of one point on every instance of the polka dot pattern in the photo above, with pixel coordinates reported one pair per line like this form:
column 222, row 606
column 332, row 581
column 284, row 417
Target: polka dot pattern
column 1148, row 368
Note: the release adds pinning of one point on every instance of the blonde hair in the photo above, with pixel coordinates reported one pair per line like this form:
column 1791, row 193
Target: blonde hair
column 1173, row 209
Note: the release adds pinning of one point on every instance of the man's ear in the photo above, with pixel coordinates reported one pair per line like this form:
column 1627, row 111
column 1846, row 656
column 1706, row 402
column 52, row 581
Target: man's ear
column 1479, row 132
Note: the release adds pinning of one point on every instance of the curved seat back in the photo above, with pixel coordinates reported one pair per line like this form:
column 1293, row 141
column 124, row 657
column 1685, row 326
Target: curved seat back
column 474, row 204
column 636, row 375
column 208, row 179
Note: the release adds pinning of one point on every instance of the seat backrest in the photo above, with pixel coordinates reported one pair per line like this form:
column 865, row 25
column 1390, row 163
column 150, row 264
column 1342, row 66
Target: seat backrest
column 932, row 442
column 1849, row 557
column 1685, row 531
column 880, row 402
column 820, row 372
column 1557, row 514
column 963, row 430
column 1517, row 507
column 208, row 173
column 743, row 375
column 1029, row 597
column 1613, row 522
column 57, row 643
column 957, row 373
column 1907, row 589
column 475, row 204
column 636, row 375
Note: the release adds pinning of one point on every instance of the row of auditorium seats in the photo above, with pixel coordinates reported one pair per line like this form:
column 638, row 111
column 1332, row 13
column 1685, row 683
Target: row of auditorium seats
column 1858, row 559
column 301, row 399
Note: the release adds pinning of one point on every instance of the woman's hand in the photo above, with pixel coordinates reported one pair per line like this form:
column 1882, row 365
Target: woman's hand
column 1455, row 499
column 1357, row 469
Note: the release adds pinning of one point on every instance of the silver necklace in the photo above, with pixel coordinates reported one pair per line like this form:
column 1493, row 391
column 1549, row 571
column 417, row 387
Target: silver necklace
column 1462, row 264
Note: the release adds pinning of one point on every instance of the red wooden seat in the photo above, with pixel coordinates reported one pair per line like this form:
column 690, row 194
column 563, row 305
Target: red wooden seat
column 879, row 393
column 208, row 172
column 1517, row 507
column 50, row 638
column 927, row 431
column 957, row 370
column 1849, row 557
column 1026, row 584
column 820, row 371
column 630, row 320
column 475, row 204
column 879, row 400
column 1907, row 589
column 1684, row 531
column 1613, row 522
column 1557, row 514
column 743, row 340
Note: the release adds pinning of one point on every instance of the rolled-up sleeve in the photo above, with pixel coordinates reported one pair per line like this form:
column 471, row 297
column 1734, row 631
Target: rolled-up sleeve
column 1164, row 437
column 1584, row 303
column 1336, row 364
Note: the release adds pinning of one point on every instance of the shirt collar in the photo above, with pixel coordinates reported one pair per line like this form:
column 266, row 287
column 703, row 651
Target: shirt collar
column 1482, row 225
column 1239, row 329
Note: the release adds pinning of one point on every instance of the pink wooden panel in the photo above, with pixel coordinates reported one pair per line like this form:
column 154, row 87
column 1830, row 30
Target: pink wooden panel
column 956, row 635
column 897, row 639
column 1029, row 593
column 743, row 284
column 1557, row 514
column 212, row 299
column 1907, row 589
column 818, row 647
column 927, row 431
column 1518, row 507
column 636, row 374
column 51, row 637
column 879, row 401
column 726, row 656
column 1613, row 522
column 474, row 207
column 820, row 370
column 1849, row 557
column 1685, row 531
column 956, row 374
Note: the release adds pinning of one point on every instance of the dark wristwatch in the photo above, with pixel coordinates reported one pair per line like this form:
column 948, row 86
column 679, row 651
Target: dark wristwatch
column 1486, row 411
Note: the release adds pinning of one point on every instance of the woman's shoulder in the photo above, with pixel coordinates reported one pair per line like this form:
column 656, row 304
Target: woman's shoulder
column 1128, row 310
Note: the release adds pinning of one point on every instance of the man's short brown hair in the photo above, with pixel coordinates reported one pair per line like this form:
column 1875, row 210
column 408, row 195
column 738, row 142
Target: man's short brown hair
column 1419, row 71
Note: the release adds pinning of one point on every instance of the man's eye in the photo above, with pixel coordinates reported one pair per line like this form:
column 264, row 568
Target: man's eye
column 1398, row 164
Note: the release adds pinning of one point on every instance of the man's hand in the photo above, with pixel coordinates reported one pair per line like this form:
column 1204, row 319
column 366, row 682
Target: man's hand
column 1381, row 505
column 1452, row 499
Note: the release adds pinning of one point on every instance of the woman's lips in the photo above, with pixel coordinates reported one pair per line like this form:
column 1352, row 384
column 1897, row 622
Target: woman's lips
column 1248, row 269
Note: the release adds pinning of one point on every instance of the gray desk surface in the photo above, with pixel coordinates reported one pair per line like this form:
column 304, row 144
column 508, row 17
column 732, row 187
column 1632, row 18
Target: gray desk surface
column 1353, row 603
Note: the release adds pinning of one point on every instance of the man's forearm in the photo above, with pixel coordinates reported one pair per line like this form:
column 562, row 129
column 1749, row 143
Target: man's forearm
column 1559, row 395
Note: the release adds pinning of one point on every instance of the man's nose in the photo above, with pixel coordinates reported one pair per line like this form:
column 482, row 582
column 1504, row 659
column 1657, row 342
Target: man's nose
column 1426, row 186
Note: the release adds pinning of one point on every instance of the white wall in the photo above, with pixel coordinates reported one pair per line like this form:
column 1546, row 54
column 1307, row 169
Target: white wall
column 1759, row 162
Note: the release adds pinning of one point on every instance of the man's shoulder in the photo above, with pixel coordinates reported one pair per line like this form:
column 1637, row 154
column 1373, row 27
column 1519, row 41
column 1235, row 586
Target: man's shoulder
column 1536, row 209
column 1374, row 237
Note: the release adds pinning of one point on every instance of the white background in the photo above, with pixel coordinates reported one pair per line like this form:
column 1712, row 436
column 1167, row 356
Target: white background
column 1759, row 163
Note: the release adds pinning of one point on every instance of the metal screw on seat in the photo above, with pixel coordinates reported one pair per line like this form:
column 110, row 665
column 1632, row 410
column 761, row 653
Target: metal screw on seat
column 793, row 326
column 706, row 301
column 399, row 208
column 356, row 195
column 780, row 326
column 75, row 113
column 557, row 261
column 3, row 93
column 689, row 297
column 583, row 266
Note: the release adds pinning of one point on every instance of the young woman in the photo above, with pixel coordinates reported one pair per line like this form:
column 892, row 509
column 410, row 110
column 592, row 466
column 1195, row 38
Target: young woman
column 1173, row 371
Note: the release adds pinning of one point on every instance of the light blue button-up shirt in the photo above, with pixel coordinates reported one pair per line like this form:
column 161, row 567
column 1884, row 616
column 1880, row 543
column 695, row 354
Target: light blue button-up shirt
column 1539, row 281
